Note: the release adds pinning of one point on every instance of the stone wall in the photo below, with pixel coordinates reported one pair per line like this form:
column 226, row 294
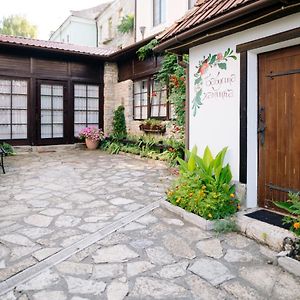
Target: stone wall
column 120, row 93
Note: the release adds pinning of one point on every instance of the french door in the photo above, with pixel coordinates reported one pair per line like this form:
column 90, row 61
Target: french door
column 51, row 112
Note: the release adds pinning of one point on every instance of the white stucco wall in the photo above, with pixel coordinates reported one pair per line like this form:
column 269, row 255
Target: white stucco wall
column 217, row 121
column 77, row 31
column 175, row 9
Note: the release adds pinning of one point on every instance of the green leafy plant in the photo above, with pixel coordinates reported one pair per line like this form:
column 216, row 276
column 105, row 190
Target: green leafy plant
column 292, row 206
column 204, row 186
column 119, row 123
column 114, row 148
column 226, row 225
column 174, row 76
column 147, row 50
column 127, row 24
column 9, row 149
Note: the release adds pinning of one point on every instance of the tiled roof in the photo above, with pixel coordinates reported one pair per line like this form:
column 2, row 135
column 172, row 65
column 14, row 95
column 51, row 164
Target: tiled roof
column 90, row 13
column 58, row 46
column 203, row 11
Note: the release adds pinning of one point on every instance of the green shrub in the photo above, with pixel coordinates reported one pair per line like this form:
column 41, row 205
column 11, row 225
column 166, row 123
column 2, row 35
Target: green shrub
column 9, row 149
column 292, row 206
column 119, row 123
column 204, row 186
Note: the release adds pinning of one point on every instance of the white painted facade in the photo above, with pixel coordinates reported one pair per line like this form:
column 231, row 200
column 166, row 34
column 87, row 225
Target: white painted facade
column 78, row 31
column 217, row 121
column 174, row 10
column 114, row 13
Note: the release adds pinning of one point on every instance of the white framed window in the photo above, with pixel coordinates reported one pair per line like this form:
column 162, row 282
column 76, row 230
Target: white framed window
column 13, row 109
column 159, row 12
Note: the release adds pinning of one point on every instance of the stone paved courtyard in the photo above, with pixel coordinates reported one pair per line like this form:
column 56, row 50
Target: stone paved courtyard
column 51, row 200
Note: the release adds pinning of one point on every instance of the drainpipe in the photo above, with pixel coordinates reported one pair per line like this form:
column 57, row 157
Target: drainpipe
column 135, row 17
column 97, row 32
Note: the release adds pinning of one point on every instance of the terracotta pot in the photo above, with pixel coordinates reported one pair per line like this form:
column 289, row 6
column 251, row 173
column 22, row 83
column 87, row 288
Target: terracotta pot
column 91, row 145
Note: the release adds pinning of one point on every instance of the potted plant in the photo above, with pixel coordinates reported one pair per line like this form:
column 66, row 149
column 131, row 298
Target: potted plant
column 153, row 126
column 92, row 136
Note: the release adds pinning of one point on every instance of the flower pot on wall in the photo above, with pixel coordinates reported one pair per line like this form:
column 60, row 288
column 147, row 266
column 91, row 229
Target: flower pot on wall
column 91, row 144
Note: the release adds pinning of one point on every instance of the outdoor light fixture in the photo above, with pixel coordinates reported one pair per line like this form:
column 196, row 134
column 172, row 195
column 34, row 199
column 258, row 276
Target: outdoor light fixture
column 142, row 30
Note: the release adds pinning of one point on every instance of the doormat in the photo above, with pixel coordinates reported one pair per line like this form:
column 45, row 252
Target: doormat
column 269, row 217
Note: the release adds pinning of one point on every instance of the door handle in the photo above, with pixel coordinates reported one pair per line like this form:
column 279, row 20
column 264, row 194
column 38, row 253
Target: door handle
column 262, row 127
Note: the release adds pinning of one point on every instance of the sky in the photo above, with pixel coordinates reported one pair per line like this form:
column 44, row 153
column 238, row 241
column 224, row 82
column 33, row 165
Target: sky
column 46, row 15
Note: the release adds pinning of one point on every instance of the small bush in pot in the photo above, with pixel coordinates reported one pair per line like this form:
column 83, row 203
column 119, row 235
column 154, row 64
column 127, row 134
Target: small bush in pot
column 92, row 137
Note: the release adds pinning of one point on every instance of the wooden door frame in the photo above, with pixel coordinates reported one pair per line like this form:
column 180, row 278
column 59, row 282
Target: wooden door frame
column 51, row 141
column 289, row 38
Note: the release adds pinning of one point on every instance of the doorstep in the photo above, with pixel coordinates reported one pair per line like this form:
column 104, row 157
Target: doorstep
column 262, row 232
column 50, row 148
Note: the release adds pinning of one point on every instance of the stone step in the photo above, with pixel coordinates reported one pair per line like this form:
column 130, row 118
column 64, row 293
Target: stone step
column 51, row 148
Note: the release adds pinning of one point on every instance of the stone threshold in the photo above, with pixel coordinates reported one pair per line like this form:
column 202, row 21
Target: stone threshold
column 10, row 283
column 44, row 149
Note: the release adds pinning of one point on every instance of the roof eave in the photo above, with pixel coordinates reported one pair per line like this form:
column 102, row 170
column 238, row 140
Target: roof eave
column 56, row 51
column 181, row 38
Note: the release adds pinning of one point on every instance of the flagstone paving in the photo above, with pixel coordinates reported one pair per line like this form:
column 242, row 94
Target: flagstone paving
column 158, row 256
column 48, row 201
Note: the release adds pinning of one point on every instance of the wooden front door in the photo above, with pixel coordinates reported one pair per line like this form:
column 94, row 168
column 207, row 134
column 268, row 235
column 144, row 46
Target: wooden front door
column 51, row 113
column 279, row 125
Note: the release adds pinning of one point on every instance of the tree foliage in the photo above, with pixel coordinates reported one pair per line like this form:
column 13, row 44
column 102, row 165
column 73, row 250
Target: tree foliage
column 17, row 25
column 127, row 24
column 119, row 123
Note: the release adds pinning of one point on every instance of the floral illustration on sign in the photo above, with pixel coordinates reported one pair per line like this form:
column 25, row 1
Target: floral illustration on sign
column 217, row 60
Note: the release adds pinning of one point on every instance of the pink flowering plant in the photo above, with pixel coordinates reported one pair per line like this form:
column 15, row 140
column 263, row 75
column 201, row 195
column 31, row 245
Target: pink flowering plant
column 92, row 133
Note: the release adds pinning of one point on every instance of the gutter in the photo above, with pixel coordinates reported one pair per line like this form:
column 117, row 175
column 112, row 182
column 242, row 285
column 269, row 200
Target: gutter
column 201, row 28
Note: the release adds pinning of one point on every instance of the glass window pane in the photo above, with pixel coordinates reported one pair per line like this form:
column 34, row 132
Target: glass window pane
column 19, row 101
column 93, row 117
column 46, row 117
column 58, row 131
column 5, row 101
column 93, row 103
column 19, row 87
column 154, row 111
column 80, row 117
column 4, row 116
column 58, row 117
column 93, row 91
column 19, row 117
column 80, row 104
column 46, row 102
column 46, row 131
column 4, row 132
column 58, row 90
column 19, row 131
column 5, row 86
column 46, row 90
column 79, row 90
column 58, row 102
